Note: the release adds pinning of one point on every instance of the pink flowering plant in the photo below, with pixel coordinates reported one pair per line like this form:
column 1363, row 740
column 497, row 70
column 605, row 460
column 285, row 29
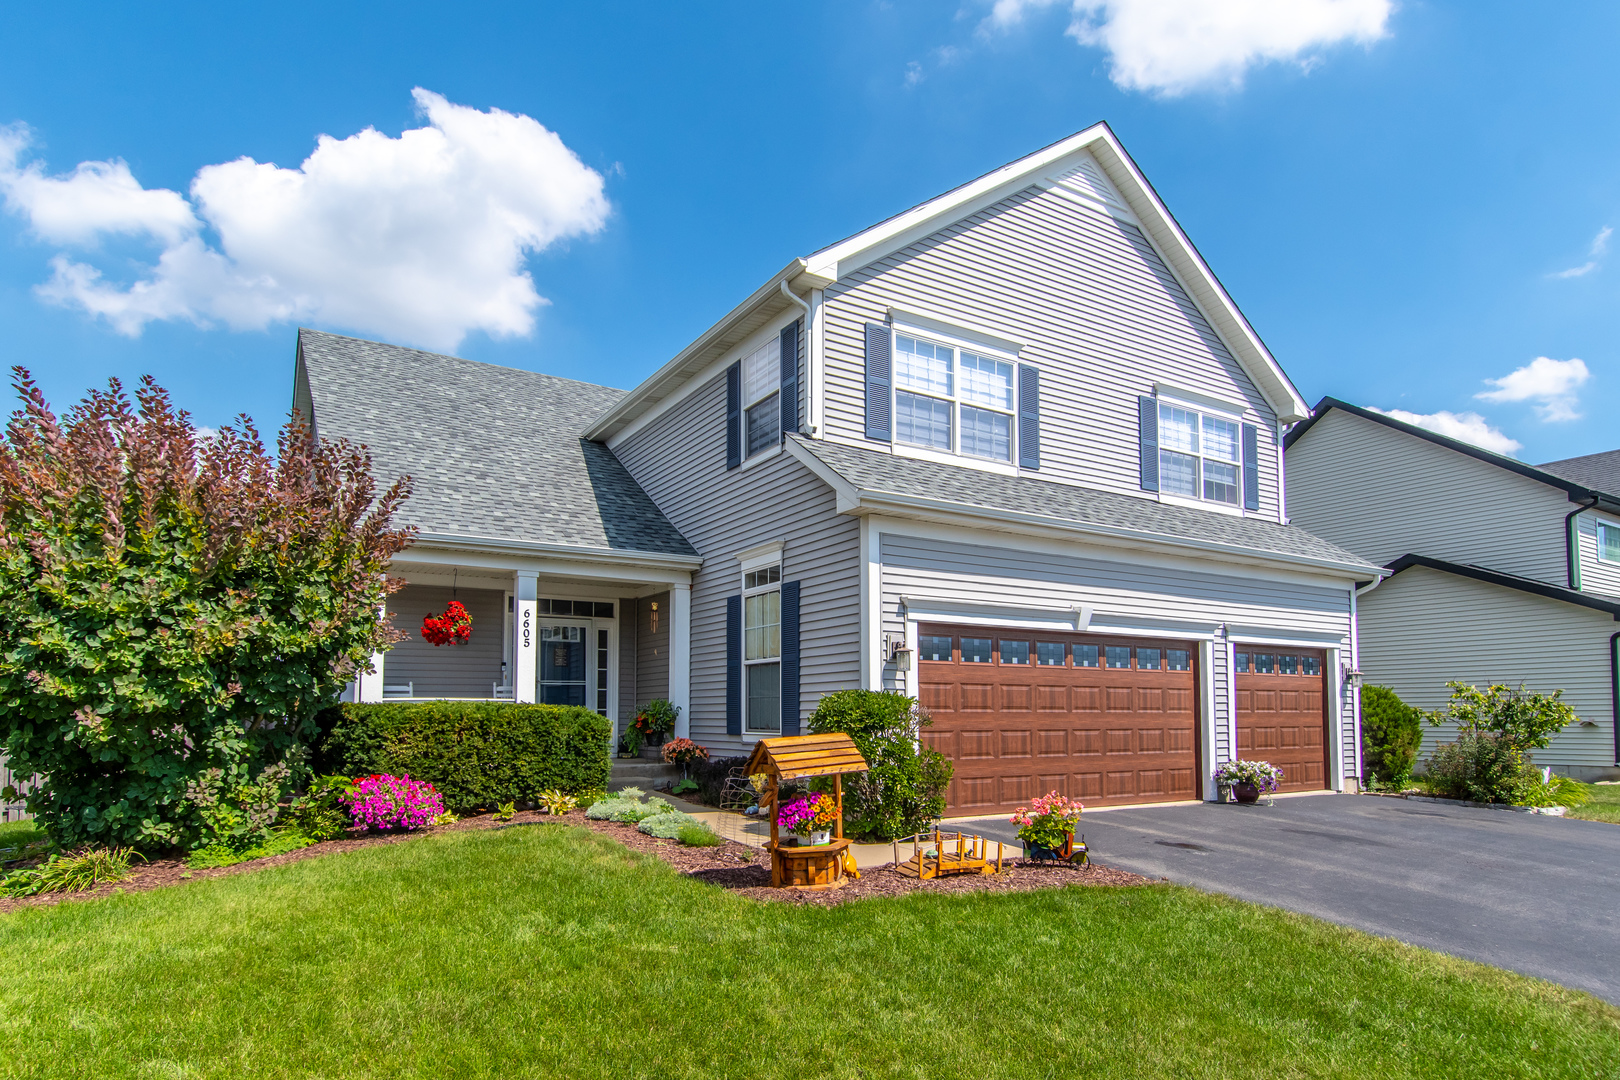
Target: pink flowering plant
column 1047, row 821
column 807, row 812
column 384, row 802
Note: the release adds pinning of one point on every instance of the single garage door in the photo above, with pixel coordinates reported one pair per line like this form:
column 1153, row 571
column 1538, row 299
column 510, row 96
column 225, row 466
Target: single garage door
column 1282, row 714
column 1020, row 713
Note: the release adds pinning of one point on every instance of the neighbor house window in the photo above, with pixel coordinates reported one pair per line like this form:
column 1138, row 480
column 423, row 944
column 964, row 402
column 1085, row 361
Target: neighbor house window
column 762, row 648
column 1608, row 542
column 762, row 398
column 951, row 399
column 1199, row 454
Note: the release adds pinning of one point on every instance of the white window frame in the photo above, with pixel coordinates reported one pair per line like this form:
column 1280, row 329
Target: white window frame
column 1200, row 409
column 1597, row 538
column 954, row 398
column 769, row 353
column 761, row 564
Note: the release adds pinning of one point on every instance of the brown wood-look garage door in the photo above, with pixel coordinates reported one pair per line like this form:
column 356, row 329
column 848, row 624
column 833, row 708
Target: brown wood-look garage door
column 1021, row 713
column 1282, row 713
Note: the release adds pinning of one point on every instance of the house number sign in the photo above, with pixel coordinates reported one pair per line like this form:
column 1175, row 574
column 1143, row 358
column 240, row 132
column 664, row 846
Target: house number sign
column 528, row 627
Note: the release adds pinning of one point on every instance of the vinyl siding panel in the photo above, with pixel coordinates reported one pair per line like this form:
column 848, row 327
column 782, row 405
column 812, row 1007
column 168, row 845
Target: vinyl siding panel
column 652, row 651
column 1382, row 494
column 1597, row 576
column 447, row 671
column 933, row 569
column 629, row 622
column 679, row 459
column 1095, row 309
column 1422, row 628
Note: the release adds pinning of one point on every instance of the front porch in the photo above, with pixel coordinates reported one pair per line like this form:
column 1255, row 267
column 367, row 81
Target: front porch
column 609, row 631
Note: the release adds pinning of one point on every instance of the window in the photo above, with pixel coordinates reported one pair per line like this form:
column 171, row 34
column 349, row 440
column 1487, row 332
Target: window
column 1179, row 659
column 1050, row 653
column 1085, row 656
column 975, row 650
column 932, row 647
column 1119, row 656
column 1265, row 664
column 952, row 400
column 1147, row 659
column 1288, row 665
column 580, row 608
column 762, row 398
column 1608, row 542
column 602, row 672
column 1313, row 666
column 762, row 649
column 1199, row 455
column 1241, row 661
column 1015, row 652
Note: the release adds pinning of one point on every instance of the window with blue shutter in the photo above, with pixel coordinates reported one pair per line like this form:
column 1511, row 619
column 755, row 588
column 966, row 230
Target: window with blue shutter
column 790, row 658
column 1148, row 432
column 1251, row 467
column 790, row 377
column 733, row 416
column 1029, row 417
column 877, row 382
column 734, row 665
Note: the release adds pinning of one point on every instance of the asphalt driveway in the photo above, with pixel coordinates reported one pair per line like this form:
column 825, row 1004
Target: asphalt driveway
column 1536, row 894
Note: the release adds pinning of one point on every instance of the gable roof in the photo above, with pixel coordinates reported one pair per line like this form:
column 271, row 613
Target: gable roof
column 1601, row 471
column 1576, row 490
column 495, row 453
column 1090, row 164
column 879, row 480
column 1508, row 581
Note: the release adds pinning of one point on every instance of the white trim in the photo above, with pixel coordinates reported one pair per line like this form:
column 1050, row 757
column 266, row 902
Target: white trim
column 815, row 363
column 1206, row 719
column 1335, row 690
column 756, row 459
column 1231, row 701
column 369, row 684
column 1202, row 402
column 871, row 571
column 1355, row 665
column 946, row 457
column 1171, row 499
column 526, row 634
column 1142, row 626
column 680, row 656
column 759, row 555
column 1298, row 639
column 954, row 332
column 1072, row 620
column 1282, row 474
column 573, row 553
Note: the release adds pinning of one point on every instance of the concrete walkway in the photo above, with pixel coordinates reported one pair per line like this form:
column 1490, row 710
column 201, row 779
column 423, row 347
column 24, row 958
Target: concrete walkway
column 1539, row 895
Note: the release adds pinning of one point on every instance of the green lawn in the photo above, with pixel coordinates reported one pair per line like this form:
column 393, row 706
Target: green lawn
column 1605, row 804
column 17, row 834
column 545, row 951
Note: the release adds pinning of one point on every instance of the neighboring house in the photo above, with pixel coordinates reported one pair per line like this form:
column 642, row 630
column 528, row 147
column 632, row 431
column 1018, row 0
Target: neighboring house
column 1501, row 572
column 1013, row 451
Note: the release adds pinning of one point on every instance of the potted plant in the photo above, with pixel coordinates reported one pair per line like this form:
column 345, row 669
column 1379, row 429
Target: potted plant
column 631, row 741
column 1247, row 779
column 655, row 721
column 810, row 818
column 683, row 752
column 1046, row 826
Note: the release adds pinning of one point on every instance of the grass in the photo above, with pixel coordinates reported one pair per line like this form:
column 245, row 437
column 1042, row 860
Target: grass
column 1605, row 804
column 544, row 951
column 16, row 835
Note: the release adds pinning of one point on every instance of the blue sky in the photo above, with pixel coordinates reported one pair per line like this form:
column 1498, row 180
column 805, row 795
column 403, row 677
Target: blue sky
column 1390, row 195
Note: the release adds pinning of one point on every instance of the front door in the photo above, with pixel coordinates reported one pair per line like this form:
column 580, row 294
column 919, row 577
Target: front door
column 565, row 676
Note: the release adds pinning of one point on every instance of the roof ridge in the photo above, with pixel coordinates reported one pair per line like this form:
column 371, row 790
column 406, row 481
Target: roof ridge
column 302, row 330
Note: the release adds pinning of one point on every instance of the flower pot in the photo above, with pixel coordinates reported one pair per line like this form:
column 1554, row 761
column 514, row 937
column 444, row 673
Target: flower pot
column 820, row 836
column 1035, row 851
column 1246, row 793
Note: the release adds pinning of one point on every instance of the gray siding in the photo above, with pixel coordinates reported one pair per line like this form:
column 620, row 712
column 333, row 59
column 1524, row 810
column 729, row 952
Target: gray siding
column 1422, row 628
column 679, row 459
column 1095, row 309
column 948, row 571
column 447, row 671
column 1382, row 494
column 652, row 650
column 1596, row 576
column 629, row 624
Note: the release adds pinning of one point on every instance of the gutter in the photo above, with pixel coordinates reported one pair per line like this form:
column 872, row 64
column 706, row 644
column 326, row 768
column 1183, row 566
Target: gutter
column 1572, row 548
column 505, row 546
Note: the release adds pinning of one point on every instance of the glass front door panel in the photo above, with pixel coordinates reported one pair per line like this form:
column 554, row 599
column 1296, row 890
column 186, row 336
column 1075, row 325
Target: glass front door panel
column 564, row 677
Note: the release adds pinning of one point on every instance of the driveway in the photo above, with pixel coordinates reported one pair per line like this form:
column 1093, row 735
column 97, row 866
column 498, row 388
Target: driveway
column 1535, row 894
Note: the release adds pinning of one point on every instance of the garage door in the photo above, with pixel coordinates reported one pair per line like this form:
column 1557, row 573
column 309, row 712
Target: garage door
column 1282, row 714
column 1102, row 719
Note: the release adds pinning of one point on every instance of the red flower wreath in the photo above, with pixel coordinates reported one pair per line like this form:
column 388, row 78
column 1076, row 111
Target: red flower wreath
column 454, row 625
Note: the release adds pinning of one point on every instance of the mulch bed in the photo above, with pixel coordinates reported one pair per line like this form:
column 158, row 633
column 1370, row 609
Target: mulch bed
column 732, row 866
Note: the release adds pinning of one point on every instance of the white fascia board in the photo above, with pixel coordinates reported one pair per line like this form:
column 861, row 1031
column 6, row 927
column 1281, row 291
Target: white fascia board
column 1073, row 619
column 1303, row 639
column 525, row 552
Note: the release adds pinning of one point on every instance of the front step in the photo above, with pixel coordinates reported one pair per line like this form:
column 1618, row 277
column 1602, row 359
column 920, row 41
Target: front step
column 638, row 772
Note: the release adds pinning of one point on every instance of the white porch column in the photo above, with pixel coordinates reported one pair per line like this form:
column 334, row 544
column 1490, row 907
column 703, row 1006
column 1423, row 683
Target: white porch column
column 369, row 687
column 680, row 657
column 525, row 634
column 1207, row 758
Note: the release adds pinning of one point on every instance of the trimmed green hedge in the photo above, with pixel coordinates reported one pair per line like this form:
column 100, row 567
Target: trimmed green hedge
column 477, row 753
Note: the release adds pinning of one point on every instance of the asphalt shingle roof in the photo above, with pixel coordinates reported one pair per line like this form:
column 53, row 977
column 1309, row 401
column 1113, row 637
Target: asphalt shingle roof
column 1599, row 471
column 494, row 451
column 881, row 473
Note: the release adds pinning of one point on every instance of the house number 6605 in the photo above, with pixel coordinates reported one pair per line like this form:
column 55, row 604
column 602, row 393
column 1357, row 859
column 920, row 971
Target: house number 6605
column 526, row 614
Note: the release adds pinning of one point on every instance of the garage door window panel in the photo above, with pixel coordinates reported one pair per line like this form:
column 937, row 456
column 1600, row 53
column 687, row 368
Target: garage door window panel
column 1014, row 652
column 1049, row 653
column 935, row 648
column 975, row 650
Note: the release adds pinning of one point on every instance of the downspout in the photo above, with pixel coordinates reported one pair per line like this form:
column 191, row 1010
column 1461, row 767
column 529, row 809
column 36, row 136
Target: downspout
column 1614, row 687
column 1356, row 592
column 806, row 383
column 1572, row 547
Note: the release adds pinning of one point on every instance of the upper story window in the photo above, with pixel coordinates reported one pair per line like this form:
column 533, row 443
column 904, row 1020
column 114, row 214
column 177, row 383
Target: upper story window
column 1608, row 542
column 952, row 400
column 762, row 649
column 762, row 398
column 1200, row 455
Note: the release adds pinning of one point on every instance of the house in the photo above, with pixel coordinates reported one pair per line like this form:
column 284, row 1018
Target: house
column 1013, row 451
column 1499, row 572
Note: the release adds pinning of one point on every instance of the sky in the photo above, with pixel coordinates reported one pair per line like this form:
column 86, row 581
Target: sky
column 1412, row 202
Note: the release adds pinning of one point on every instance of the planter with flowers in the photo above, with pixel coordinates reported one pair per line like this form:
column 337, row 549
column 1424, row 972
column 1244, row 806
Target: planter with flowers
column 810, row 818
column 1046, row 826
column 1247, row 780
column 455, row 625
column 654, row 723
column 683, row 752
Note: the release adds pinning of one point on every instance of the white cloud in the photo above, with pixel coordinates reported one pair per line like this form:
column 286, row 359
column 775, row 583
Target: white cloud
column 421, row 238
column 1551, row 384
column 1468, row 427
column 1599, row 248
column 914, row 74
column 1173, row 47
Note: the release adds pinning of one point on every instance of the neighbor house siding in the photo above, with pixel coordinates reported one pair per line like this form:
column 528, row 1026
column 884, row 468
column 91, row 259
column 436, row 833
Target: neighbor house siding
column 1383, row 493
column 1596, row 576
column 1095, row 309
column 679, row 459
column 469, row 670
column 1118, row 589
column 1422, row 628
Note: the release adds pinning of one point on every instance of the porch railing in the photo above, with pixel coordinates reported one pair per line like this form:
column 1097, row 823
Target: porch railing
column 14, row 809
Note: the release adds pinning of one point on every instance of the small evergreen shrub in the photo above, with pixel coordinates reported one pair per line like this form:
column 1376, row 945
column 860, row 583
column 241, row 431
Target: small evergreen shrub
column 667, row 826
column 698, row 835
column 1391, row 733
column 904, row 791
column 475, row 753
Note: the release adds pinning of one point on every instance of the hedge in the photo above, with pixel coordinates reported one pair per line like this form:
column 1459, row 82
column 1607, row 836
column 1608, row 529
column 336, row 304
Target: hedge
column 1391, row 732
column 477, row 753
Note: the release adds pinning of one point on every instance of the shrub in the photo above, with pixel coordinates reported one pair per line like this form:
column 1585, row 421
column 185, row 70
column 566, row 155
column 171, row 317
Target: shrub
column 710, row 777
column 476, row 753
column 904, row 790
column 1483, row 767
column 632, row 809
column 1524, row 720
column 279, row 843
column 698, row 835
column 74, row 871
column 1391, row 733
column 392, row 802
column 667, row 826
column 557, row 802
column 234, row 814
column 319, row 813
column 1558, row 791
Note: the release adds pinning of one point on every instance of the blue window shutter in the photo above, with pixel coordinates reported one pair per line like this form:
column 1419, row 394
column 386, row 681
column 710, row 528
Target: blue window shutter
column 790, row 658
column 734, row 665
column 1251, row 467
column 734, row 415
column 790, row 377
column 1029, row 417
column 1148, row 411
column 877, row 382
